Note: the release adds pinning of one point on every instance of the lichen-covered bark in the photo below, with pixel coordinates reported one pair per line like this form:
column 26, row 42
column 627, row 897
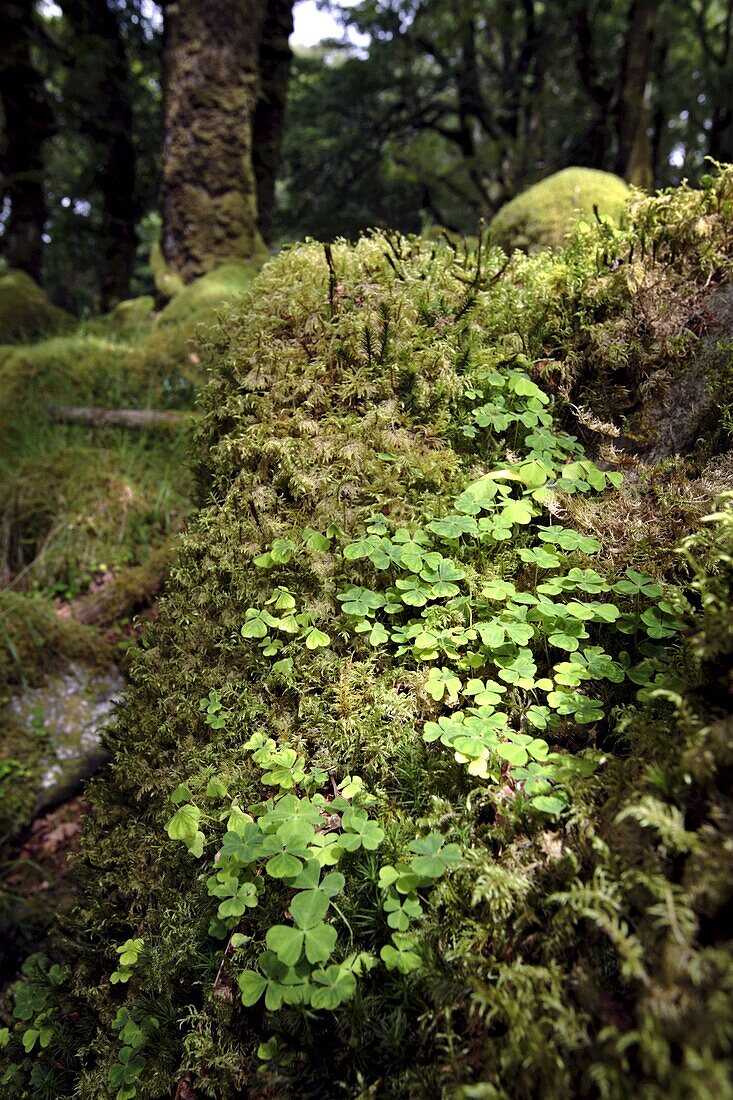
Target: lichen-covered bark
column 269, row 118
column 209, row 193
column 28, row 122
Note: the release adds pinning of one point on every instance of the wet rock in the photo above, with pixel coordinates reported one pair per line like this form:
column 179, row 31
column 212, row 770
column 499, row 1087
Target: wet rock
column 67, row 714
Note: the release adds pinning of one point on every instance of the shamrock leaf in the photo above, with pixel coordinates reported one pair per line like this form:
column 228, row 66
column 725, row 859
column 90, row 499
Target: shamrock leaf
column 359, row 832
column 440, row 681
column 433, row 856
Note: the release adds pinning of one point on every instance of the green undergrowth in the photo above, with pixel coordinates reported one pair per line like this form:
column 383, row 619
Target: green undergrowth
column 420, row 789
column 81, row 505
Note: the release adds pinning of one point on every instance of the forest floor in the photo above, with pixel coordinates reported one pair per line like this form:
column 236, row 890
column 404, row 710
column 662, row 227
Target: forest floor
column 89, row 511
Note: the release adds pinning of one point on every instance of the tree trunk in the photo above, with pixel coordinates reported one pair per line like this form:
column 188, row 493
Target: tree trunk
column 720, row 138
column 28, row 123
column 209, row 190
column 108, row 121
column 268, row 124
column 633, row 153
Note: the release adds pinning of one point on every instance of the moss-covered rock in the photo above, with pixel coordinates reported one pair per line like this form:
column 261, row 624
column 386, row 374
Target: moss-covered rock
column 34, row 644
column 26, row 312
column 543, row 215
column 209, row 292
column 132, row 313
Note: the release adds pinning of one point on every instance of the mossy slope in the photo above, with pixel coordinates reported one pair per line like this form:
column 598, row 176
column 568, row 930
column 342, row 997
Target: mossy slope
column 563, row 956
column 544, row 215
column 80, row 504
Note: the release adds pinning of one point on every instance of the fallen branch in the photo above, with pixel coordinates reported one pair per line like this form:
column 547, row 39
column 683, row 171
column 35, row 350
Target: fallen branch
column 131, row 590
column 126, row 418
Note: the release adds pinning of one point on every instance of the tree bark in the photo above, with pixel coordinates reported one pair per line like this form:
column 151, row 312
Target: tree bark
column 268, row 124
column 633, row 152
column 108, row 120
column 29, row 121
column 209, row 189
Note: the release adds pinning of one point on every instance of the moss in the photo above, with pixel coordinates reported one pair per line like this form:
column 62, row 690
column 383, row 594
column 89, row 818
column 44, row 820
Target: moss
column 26, row 313
column 212, row 290
column 74, row 501
column 167, row 283
column 133, row 313
column 543, row 215
column 562, row 958
column 35, row 639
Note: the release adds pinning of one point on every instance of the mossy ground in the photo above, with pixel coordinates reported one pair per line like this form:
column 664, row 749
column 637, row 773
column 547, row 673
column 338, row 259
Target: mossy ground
column 544, row 215
column 585, row 954
column 78, row 504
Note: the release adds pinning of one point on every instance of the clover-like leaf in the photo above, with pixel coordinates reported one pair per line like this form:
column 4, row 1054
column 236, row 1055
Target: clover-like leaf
column 443, row 681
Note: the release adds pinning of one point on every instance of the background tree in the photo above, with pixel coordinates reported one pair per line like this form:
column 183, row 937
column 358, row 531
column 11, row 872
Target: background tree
column 99, row 83
column 28, row 123
column 213, row 78
column 468, row 103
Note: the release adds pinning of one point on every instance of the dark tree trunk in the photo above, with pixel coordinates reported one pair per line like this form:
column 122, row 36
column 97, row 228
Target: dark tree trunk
column 29, row 122
column 104, row 88
column 720, row 140
column 633, row 153
column 268, row 124
column 209, row 190
column 590, row 148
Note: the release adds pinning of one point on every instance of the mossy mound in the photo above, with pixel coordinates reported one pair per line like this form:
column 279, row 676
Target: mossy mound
column 498, row 758
column 35, row 639
column 133, row 313
column 26, row 312
column 543, row 215
column 211, row 290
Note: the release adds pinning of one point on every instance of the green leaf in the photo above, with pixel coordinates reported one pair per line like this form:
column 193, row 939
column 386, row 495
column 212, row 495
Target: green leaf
column 547, row 804
column 441, row 681
column 283, row 865
column 184, row 824
column 286, row 942
column 378, row 635
column 516, row 511
column 369, row 833
column 308, row 908
column 254, row 628
column 316, row 639
column 283, row 667
column 336, row 985
column 514, row 754
column 215, row 788
column 251, row 985
column 320, row 943
column 182, row 793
